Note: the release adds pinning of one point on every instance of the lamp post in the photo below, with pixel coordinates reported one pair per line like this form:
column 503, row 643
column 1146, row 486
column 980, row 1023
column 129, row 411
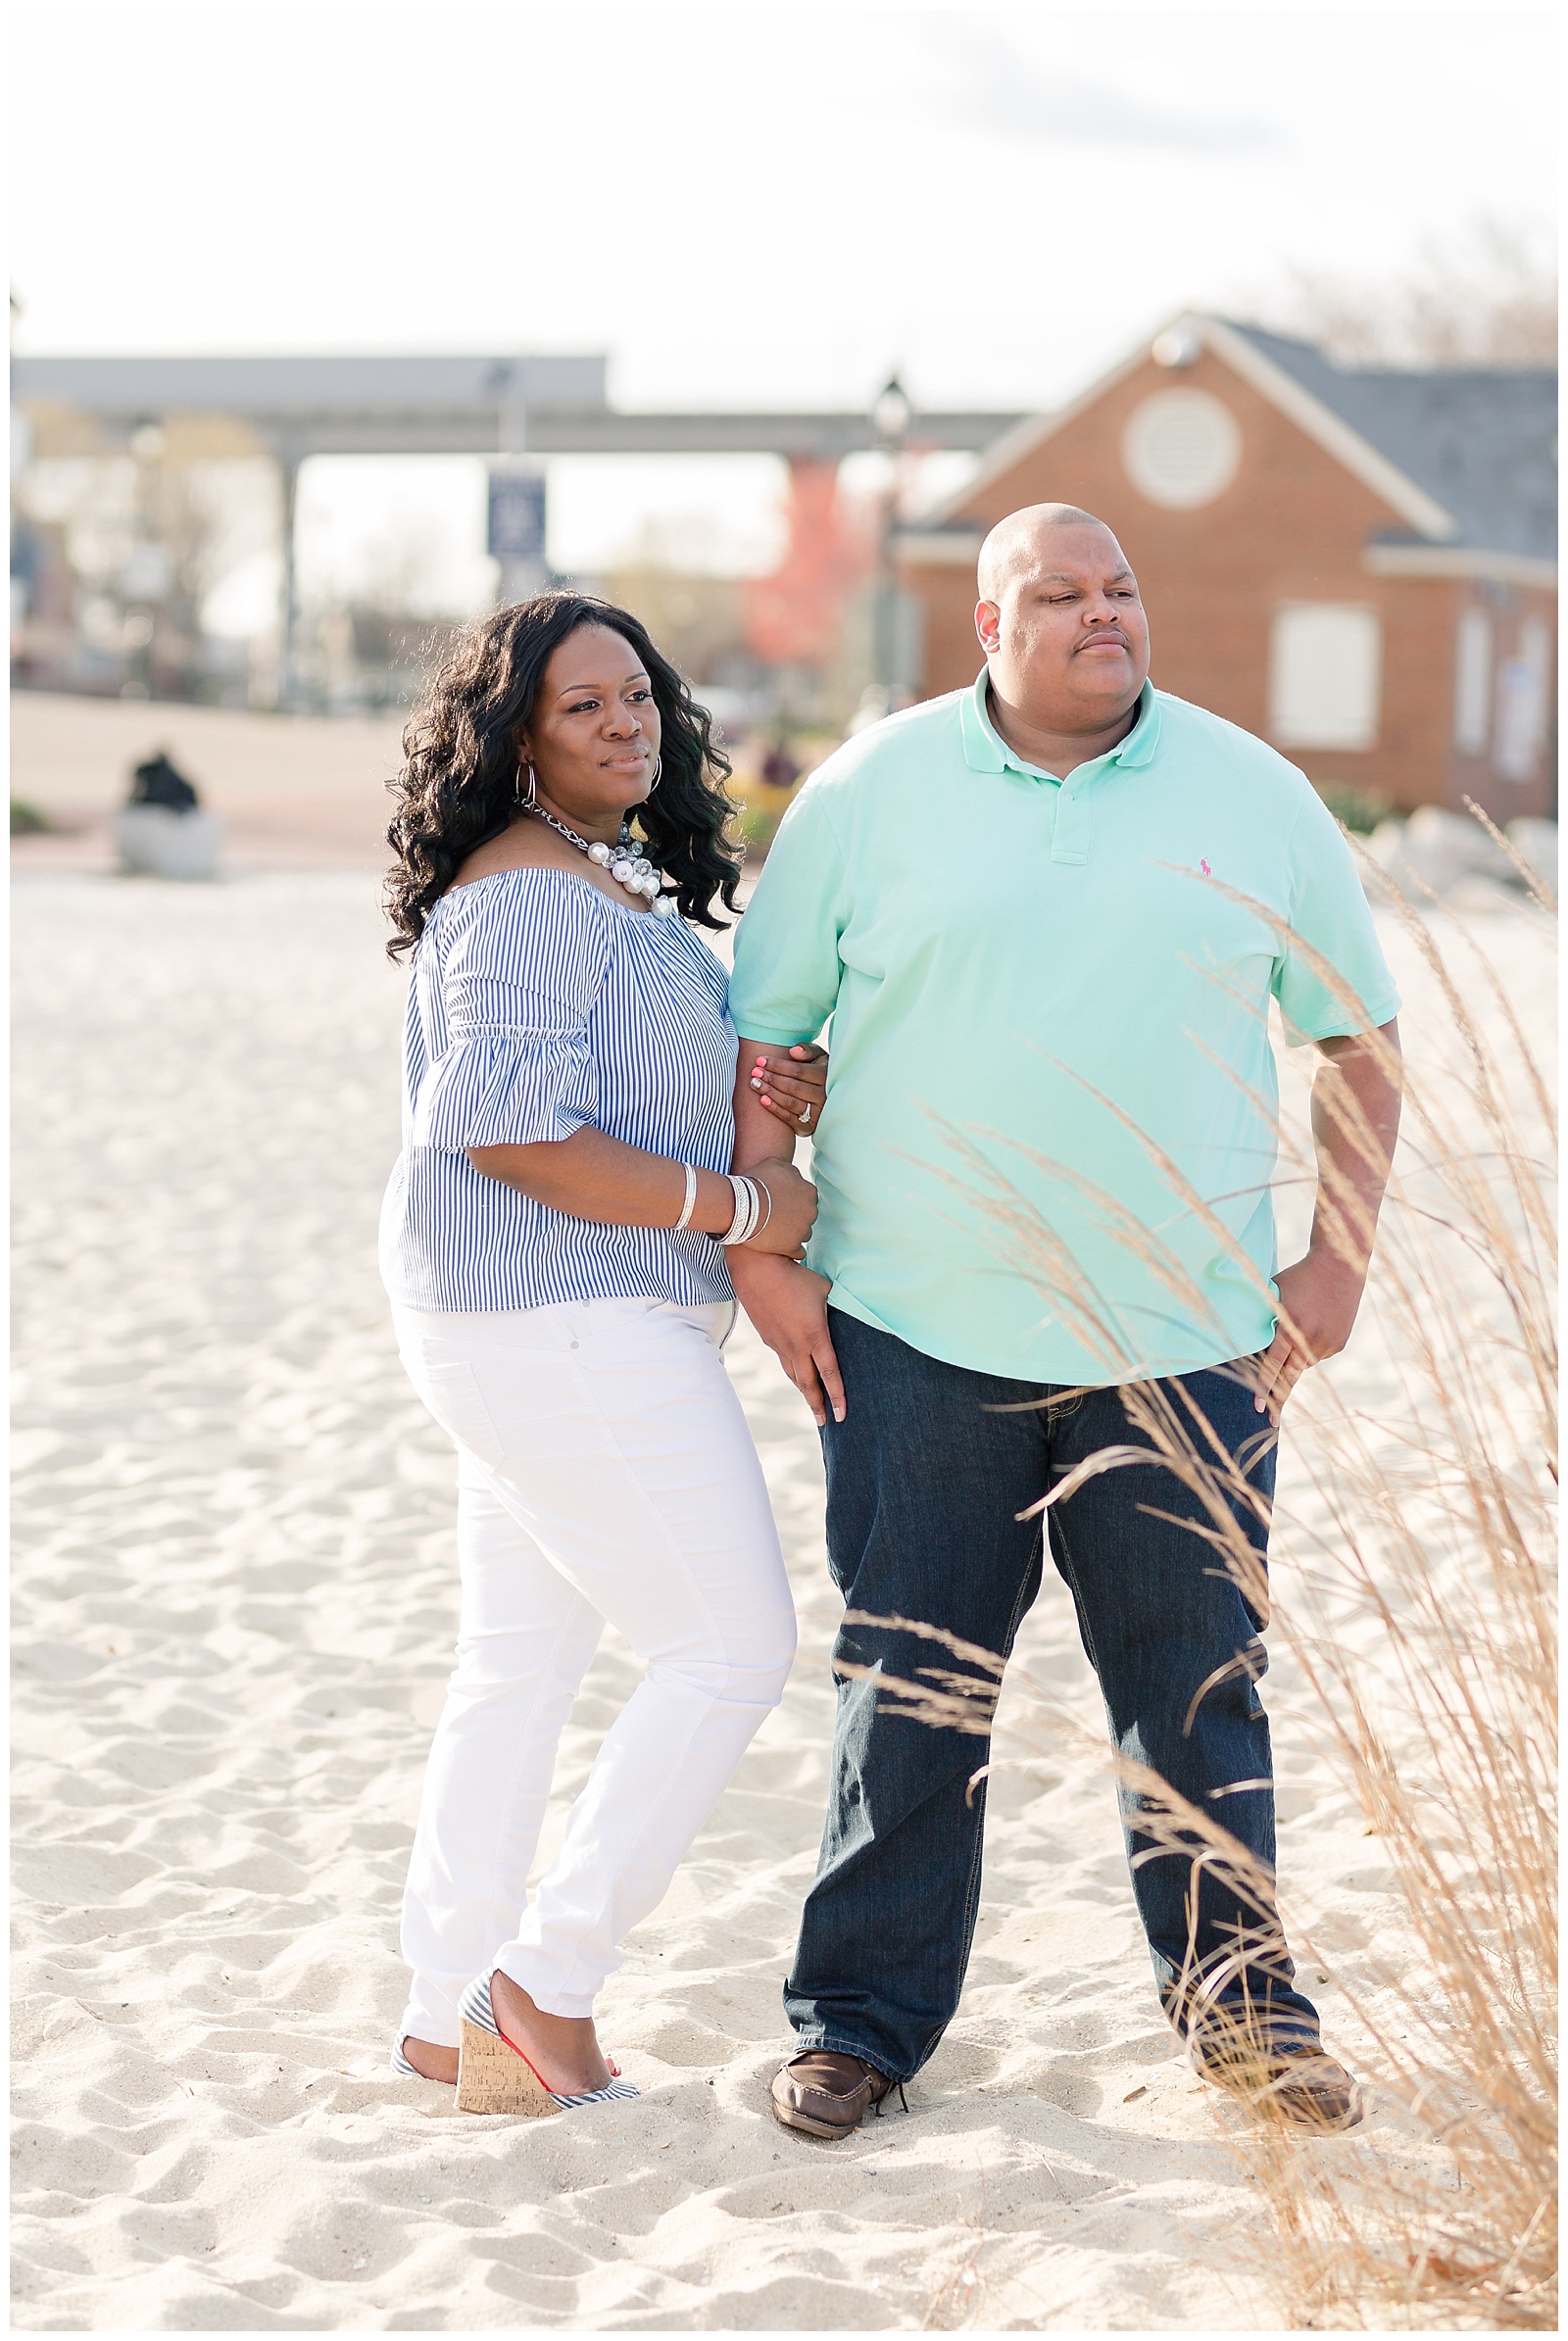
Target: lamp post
column 894, row 612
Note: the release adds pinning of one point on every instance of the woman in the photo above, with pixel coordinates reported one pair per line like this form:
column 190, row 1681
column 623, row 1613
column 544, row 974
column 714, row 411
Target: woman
column 553, row 1241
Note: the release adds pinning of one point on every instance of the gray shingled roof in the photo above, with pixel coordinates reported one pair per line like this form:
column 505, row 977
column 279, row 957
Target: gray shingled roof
column 1484, row 442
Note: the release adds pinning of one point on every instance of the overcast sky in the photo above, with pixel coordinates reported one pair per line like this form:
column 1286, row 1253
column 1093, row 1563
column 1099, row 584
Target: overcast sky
column 754, row 205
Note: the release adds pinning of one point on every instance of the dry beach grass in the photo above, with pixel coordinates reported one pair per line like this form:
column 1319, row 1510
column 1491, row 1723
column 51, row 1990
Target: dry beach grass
column 235, row 1603
column 1416, row 1543
column 1425, row 1625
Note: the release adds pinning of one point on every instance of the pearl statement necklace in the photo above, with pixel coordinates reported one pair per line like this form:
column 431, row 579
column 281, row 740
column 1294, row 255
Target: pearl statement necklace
column 625, row 864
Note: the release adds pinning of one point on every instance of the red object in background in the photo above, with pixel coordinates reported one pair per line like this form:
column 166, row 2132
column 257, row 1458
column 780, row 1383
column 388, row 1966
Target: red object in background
column 792, row 617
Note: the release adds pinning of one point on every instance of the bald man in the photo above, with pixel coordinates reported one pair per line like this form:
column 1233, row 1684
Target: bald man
column 1047, row 917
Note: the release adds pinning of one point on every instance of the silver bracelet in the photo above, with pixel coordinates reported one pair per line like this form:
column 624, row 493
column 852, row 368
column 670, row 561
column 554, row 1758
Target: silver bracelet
column 748, row 1209
column 768, row 1197
column 690, row 1204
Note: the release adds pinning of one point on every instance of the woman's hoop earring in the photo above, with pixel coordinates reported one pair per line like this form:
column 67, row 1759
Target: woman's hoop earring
column 527, row 802
column 659, row 766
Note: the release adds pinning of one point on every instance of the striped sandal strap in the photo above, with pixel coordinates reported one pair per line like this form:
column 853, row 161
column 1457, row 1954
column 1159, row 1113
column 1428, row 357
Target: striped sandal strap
column 401, row 2067
column 616, row 2088
column 475, row 2007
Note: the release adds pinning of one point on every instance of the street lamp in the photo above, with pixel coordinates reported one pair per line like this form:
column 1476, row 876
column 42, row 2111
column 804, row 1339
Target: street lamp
column 891, row 414
column 894, row 614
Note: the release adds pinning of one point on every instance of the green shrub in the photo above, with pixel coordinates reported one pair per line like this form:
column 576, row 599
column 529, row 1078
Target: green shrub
column 760, row 812
column 1360, row 809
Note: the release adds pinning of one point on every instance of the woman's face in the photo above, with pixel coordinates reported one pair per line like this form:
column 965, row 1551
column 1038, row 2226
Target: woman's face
column 593, row 736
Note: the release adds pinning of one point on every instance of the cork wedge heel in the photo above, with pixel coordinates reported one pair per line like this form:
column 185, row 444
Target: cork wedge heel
column 494, row 2077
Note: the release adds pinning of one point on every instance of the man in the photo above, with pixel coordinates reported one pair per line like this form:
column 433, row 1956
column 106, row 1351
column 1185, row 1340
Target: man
column 1074, row 896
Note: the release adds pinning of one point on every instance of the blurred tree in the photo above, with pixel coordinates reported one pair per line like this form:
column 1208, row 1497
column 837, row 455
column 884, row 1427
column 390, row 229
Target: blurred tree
column 1486, row 297
column 794, row 615
column 369, row 638
column 399, row 573
column 699, row 622
column 140, row 540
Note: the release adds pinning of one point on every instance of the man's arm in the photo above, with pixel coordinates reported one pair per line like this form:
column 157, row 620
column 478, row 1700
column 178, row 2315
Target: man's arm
column 786, row 1303
column 786, row 981
column 1356, row 1120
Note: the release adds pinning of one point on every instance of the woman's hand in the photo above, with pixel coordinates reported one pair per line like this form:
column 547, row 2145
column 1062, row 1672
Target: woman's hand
column 787, row 1215
column 788, row 1306
column 791, row 1084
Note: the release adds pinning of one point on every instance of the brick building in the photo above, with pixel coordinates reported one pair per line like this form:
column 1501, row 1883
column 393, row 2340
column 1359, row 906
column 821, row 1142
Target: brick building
column 1359, row 567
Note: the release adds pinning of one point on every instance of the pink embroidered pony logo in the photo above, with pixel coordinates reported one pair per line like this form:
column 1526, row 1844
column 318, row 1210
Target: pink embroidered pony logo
column 1207, row 873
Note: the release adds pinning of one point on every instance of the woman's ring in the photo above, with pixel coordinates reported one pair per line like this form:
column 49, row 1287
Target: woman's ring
column 805, row 1113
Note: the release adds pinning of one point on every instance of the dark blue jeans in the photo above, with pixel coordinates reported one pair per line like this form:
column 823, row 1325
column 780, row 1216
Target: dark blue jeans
column 925, row 1480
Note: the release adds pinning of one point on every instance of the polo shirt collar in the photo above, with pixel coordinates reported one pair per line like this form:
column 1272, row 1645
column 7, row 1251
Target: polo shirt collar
column 986, row 750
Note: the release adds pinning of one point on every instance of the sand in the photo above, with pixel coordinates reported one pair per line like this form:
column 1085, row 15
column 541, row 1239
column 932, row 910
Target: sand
column 236, row 1603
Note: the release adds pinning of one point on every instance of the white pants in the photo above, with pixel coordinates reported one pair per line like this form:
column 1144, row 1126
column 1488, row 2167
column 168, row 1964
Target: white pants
column 605, row 1471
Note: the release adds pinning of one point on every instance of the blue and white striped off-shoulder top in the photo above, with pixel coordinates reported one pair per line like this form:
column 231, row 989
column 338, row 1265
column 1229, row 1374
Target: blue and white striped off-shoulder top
column 537, row 1005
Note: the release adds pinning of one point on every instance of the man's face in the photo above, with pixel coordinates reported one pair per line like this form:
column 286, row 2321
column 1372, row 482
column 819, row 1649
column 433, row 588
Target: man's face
column 1068, row 642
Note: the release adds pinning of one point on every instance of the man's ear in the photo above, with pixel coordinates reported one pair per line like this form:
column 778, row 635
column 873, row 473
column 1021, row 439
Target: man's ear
column 988, row 625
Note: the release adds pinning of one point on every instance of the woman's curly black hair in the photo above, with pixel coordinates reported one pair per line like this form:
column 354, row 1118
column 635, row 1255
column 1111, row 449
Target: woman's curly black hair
column 459, row 782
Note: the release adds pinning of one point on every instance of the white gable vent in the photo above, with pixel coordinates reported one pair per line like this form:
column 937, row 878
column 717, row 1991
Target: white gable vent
column 1181, row 448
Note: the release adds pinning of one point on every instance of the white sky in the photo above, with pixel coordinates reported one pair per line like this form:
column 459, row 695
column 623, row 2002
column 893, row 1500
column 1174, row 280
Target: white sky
column 747, row 206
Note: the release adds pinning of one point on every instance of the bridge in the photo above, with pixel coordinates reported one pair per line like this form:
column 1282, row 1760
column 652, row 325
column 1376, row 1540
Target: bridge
column 501, row 405
column 293, row 407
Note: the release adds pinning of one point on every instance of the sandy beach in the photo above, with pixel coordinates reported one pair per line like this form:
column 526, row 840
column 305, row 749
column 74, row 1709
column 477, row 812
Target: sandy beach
column 236, row 1602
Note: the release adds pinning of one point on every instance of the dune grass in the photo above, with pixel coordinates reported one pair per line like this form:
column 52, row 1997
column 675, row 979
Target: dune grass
column 1413, row 1587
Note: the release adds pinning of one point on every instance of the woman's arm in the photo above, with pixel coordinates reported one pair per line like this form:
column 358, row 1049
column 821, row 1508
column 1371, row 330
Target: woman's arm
column 592, row 1176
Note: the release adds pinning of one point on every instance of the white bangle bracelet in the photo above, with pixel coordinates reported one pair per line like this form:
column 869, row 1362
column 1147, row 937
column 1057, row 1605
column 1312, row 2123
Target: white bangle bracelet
column 747, row 1211
column 690, row 1204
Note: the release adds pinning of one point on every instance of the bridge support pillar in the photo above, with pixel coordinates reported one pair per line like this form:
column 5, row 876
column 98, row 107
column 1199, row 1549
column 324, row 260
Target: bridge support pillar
column 288, row 479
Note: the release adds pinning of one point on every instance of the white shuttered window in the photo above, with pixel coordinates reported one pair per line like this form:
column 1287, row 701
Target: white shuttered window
column 1325, row 675
column 1472, row 683
column 1522, row 703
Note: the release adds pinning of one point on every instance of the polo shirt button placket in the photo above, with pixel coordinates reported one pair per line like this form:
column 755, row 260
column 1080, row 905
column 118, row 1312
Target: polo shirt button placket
column 1070, row 841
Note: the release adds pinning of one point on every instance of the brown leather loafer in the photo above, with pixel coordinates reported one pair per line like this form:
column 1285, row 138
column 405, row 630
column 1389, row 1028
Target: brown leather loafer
column 826, row 2094
column 1299, row 2085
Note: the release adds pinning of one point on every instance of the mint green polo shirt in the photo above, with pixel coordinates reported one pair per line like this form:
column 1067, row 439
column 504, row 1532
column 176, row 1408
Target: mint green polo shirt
column 1050, row 1127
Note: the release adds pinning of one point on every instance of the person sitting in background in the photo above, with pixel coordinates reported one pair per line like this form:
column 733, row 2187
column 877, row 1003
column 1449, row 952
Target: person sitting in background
column 779, row 768
column 158, row 781
column 1085, row 894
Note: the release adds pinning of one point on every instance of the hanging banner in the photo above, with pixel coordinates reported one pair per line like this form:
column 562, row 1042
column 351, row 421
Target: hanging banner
column 515, row 530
